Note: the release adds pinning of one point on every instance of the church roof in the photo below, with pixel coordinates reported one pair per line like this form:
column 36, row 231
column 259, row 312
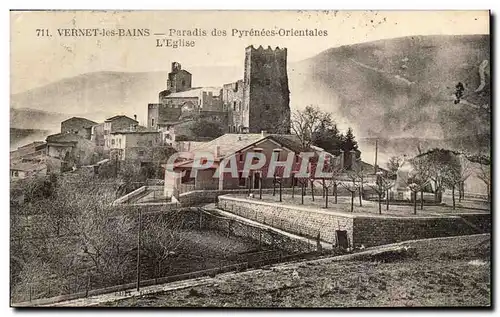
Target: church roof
column 232, row 142
column 195, row 92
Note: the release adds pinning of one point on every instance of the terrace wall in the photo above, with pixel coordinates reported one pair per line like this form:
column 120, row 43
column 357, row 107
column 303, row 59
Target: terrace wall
column 370, row 231
column 306, row 222
column 361, row 230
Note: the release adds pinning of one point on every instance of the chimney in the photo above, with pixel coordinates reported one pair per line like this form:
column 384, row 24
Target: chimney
column 217, row 151
column 135, row 117
column 263, row 133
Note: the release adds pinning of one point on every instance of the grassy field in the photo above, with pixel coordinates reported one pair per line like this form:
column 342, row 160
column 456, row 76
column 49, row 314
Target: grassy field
column 368, row 207
column 444, row 272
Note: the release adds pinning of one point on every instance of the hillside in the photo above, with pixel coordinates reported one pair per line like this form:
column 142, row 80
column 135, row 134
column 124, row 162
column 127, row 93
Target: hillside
column 401, row 87
column 102, row 94
column 396, row 88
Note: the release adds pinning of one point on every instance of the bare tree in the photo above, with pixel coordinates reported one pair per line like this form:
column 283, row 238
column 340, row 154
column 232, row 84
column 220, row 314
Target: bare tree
column 420, row 176
column 302, row 181
column 393, row 165
column 358, row 171
column 485, row 175
column 382, row 187
column 414, row 188
column 162, row 238
column 456, row 175
column 418, row 180
column 351, row 187
column 308, row 121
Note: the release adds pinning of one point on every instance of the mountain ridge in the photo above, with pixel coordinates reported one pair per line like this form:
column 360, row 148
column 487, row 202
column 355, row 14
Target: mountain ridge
column 387, row 88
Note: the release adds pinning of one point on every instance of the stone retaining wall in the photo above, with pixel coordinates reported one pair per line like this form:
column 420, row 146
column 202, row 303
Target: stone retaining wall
column 302, row 221
column 371, row 231
column 361, row 230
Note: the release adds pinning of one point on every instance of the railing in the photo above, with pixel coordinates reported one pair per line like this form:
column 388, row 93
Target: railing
column 184, row 188
column 126, row 289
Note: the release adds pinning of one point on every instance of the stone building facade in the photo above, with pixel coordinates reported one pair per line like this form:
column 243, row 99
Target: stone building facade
column 258, row 102
column 79, row 126
column 266, row 96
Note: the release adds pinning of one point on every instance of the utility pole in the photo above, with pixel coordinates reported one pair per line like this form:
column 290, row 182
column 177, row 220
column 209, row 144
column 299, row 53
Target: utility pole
column 139, row 250
column 376, row 154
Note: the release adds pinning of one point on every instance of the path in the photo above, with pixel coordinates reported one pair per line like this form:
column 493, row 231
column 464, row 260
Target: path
column 212, row 207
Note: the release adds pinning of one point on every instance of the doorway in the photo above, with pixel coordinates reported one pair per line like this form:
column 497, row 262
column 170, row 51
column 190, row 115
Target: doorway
column 342, row 240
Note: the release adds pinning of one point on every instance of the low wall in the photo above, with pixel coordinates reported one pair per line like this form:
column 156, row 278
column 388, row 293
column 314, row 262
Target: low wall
column 370, row 231
column 264, row 236
column 306, row 222
column 361, row 230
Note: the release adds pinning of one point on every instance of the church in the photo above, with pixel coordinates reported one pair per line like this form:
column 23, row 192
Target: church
column 258, row 102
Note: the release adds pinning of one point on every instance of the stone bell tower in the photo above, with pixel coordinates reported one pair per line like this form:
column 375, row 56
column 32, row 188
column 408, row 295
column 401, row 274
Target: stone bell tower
column 266, row 96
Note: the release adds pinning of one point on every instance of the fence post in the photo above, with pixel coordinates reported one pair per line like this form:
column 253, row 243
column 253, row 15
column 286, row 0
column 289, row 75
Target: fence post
column 31, row 292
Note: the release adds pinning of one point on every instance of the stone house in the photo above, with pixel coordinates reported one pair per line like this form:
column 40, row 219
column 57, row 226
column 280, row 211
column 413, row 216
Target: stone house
column 116, row 123
column 79, row 126
column 134, row 145
column 235, row 145
column 71, row 148
column 21, row 170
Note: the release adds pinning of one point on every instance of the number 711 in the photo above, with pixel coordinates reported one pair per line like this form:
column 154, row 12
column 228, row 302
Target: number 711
column 42, row 32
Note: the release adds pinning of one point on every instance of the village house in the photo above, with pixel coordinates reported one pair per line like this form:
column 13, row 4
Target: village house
column 71, row 148
column 142, row 148
column 101, row 132
column 79, row 126
column 21, row 170
column 32, row 149
column 134, row 145
column 238, row 145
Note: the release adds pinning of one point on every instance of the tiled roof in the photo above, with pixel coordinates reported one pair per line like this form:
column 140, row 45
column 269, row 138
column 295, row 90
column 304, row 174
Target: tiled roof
column 119, row 117
column 138, row 129
column 231, row 143
column 64, row 137
column 27, row 166
column 88, row 122
column 35, row 143
column 195, row 92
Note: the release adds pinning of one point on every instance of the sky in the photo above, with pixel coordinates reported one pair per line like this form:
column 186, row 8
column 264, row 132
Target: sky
column 39, row 60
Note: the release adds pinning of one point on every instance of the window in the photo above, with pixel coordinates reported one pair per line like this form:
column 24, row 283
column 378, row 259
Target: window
column 183, row 83
column 120, row 142
column 268, row 81
column 112, row 141
column 140, row 153
column 240, row 157
column 241, row 180
column 234, row 105
column 153, row 122
column 150, row 143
